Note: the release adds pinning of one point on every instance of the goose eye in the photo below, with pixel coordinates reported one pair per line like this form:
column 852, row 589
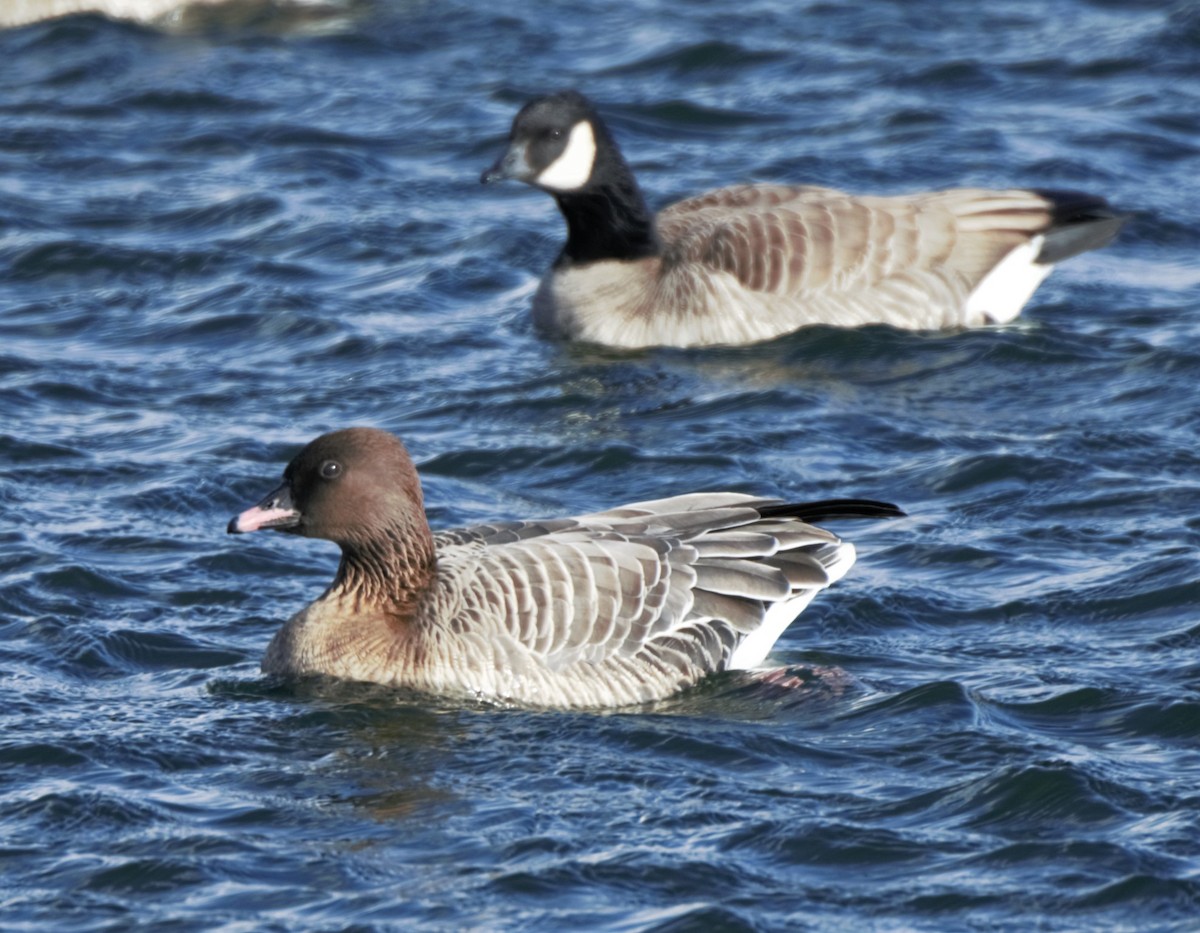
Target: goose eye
column 331, row 469
column 556, row 133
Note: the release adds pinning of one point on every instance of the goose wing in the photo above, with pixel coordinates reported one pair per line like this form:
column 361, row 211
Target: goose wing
column 816, row 244
column 676, row 583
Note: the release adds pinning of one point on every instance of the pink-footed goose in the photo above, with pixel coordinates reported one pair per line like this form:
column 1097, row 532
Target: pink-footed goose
column 747, row 263
column 608, row 609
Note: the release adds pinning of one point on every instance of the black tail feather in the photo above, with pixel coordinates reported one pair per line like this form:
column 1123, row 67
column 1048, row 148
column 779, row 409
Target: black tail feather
column 1078, row 222
column 832, row 510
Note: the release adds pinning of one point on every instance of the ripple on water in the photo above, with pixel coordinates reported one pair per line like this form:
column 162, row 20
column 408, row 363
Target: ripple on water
column 218, row 245
column 80, row 263
column 713, row 56
column 1052, row 799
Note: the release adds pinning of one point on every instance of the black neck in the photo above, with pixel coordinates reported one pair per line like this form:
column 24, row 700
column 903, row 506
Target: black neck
column 608, row 219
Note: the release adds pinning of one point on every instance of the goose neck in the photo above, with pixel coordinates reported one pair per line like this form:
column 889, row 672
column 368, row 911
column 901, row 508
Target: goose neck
column 609, row 221
column 392, row 570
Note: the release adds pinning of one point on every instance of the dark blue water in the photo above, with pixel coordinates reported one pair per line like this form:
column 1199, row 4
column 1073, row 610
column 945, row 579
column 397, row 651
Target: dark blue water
column 220, row 239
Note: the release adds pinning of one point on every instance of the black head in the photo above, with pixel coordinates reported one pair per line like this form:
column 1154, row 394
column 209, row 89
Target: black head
column 554, row 144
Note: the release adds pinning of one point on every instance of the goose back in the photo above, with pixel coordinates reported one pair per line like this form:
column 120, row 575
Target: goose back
column 752, row 262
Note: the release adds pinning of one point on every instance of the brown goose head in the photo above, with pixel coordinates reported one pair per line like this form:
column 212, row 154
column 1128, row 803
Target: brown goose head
column 356, row 487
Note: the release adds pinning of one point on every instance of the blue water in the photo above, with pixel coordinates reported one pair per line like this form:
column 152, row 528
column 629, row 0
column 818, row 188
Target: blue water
column 222, row 237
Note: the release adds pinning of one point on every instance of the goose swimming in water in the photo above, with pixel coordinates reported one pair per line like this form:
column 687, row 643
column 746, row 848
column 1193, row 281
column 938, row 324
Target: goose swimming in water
column 608, row 609
column 751, row 262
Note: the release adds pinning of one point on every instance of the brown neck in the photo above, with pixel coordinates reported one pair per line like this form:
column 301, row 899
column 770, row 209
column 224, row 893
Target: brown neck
column 393, row 570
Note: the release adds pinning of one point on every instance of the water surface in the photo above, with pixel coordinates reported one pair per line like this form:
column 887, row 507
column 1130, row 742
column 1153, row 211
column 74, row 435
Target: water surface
column 218, row 241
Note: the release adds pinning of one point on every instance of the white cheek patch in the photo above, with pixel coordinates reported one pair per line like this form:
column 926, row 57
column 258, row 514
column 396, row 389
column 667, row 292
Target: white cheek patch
column 573, row 168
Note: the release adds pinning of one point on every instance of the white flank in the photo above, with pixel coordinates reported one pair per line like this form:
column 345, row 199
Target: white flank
column 1011, row 283
column 755, row 647
column 573, row 168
